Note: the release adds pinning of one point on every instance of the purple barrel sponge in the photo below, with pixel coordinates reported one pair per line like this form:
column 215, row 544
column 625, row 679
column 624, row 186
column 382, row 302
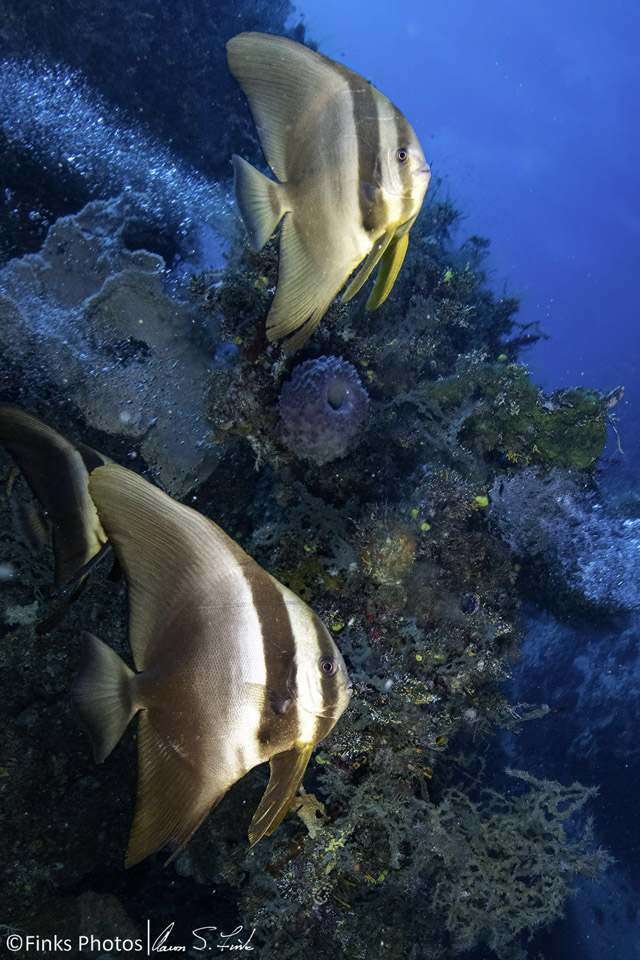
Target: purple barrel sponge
column 322, row 408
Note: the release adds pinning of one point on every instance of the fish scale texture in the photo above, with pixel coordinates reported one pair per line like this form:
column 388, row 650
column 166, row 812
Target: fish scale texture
column 322, row 409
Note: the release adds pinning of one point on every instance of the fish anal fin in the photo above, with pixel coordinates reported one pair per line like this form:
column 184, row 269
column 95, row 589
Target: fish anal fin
column 368, row 265
column 305, row 287
column 172, row 797
column 261, row 201
column 287, row 771
column 103, row 695
column 389, row 269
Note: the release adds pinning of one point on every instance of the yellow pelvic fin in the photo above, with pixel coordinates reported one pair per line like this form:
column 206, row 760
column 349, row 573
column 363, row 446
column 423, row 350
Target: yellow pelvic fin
column 368, row 265
column 287, row 771
column 389, row 268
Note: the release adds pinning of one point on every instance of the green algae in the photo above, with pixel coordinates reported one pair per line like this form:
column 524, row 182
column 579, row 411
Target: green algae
column 504, row 412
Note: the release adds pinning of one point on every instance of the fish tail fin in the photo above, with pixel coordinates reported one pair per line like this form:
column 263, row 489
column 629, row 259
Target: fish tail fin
column 102, row 694
column 261, row 201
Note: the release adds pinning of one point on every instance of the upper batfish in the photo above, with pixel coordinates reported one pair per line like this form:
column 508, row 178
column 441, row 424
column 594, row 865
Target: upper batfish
column 352, row 178
column 233, row 669
column 57, row 472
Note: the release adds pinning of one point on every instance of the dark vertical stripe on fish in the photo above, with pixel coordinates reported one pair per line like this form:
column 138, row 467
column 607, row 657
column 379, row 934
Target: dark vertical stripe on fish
column 367, row 135
column 279, row 646
column 403, row 138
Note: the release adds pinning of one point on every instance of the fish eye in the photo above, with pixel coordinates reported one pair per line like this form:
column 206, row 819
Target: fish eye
column 328, row 666
column 402, row 155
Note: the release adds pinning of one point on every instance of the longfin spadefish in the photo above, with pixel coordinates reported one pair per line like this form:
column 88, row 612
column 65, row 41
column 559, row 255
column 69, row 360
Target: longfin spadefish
column 287, row 771
column 56, row 470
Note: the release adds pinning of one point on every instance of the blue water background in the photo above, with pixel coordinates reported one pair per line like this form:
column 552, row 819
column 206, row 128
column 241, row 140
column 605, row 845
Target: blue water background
column 530, row 113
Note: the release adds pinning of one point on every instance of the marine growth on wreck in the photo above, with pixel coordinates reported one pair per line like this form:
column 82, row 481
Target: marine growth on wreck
column 369, row 472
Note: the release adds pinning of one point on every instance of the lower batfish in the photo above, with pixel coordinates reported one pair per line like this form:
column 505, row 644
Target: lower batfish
column 231, row 668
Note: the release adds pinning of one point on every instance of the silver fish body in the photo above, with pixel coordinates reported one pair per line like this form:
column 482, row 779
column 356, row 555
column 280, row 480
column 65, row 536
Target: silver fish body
column 232, row 669
column 352, row 178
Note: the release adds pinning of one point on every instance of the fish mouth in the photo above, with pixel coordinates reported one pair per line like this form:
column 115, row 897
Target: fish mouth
column 331, row 714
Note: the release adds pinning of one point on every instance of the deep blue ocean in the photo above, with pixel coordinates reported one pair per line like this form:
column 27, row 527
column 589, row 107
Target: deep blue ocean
column 527, row 113
column 528, row 117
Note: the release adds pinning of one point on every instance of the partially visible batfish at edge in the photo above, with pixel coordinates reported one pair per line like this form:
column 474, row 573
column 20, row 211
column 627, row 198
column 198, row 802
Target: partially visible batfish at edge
column 57, row 471
column 352, row 177
column 232, row 668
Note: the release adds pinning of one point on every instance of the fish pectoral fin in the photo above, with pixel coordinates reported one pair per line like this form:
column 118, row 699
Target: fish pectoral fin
column 368, row 265
column 172, row 798
column 261, row 201
column 260, row 696
column 389, row 268
column 305, row 287
column 287, row 771
column 101, row 693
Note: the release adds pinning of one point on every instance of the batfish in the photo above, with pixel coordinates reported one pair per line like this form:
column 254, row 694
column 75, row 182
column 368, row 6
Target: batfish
column 231, row 668
column 352, row 178
column 57, row 471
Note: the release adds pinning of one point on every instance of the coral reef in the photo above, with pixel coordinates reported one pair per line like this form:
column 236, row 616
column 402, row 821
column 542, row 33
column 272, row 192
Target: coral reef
column 558, row 518
column 405, row 547
column 322, row 408
column 512, row 864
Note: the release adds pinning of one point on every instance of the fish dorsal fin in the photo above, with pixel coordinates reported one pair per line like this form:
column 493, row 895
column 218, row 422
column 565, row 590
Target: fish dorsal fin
column 175, row 560
column 287, row 771
column 305, row 290
column 389, row 268
column 368, row 265
column 56, row 471
column 286, row 84
column 172, row 799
